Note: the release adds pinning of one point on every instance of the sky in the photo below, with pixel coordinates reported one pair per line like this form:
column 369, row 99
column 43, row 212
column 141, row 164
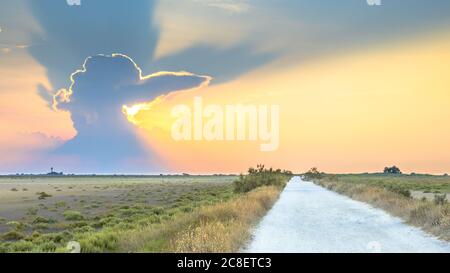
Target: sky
column 93, row 88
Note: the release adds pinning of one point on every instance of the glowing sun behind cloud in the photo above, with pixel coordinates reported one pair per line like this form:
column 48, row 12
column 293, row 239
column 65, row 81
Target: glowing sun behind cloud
column 354, row 112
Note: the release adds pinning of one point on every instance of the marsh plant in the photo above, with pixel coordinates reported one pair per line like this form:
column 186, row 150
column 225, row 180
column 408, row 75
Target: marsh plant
column 188, row 218
column 260, row 176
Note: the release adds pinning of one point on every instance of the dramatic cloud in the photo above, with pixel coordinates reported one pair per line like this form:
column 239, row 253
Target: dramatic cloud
column 72, row 33
column 226, row 39
column 96, row 99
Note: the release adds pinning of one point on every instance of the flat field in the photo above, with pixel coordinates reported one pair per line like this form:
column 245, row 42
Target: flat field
column 419, row 186
column 42, row 213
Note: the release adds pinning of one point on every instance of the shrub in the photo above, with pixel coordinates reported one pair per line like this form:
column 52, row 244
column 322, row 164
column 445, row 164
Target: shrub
column 440, row 199
column 71, row 215
column 3, row 248
column 22, row 246
column 397, row 190
column 16, row 225
column 42, row 220
column 158, row 210
column 60, row 204
column 32, row 211
column 58, row 238
column 313, row 174
column 12, row 236
column 43, row 195
column 260, row 177
column 46, row 247
column 99, row 242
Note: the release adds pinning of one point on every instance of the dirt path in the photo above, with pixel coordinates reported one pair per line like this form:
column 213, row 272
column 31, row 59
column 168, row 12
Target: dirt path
column 309, row 218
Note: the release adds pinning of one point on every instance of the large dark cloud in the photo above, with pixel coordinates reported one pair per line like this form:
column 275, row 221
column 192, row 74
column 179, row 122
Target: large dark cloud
column 106, row 141
column 72, row 33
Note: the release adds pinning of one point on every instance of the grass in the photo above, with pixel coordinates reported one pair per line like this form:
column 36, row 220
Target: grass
column 193, row 214
column 391, row 193
column 418, row 182
column 12, row 235
column 261, row 177
column 71, row 215
column 223, row 227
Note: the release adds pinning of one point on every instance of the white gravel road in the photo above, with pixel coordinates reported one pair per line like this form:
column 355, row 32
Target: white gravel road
column 309, row 218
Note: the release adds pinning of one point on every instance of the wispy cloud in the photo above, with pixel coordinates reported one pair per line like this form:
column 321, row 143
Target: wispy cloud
column 8, row 48
column 5, row 50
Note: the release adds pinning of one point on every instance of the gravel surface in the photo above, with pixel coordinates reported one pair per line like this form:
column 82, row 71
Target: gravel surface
column 309, row 218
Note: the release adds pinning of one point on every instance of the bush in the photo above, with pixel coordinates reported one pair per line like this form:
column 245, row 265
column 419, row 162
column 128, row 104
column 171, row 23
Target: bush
column 397, row 190
column 71, row 215
column 42, row 220
column 99, row 242
column 440, row 199
column 12, row 236
column 22, row 246
column 46, row 247
column 43, row 195
column 3, row 248
column 16, row 225
column 260, row 177
column 313, row 174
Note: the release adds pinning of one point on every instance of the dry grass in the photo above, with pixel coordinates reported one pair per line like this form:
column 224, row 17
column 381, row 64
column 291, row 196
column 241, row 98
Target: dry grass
column 224, row 227
column 430, row 216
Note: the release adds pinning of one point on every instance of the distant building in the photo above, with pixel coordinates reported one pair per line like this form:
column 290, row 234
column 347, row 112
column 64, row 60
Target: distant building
column 53, row 173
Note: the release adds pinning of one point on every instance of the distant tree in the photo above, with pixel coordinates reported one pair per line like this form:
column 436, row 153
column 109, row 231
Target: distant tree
column 446, row 175
column 392, row 170
column 313, row 173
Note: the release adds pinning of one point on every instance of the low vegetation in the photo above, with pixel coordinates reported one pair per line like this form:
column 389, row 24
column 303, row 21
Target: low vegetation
column 392, row 193
column 261, row 177
column 223, row 227
column 43, row 195
column 214, row 215
column 71, row 215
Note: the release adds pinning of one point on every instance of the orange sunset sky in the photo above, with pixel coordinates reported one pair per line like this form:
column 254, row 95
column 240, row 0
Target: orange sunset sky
column 350, row 99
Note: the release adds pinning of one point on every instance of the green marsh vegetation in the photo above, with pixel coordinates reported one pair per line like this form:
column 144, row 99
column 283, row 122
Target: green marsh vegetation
column 163, row 214
column 262, row 177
